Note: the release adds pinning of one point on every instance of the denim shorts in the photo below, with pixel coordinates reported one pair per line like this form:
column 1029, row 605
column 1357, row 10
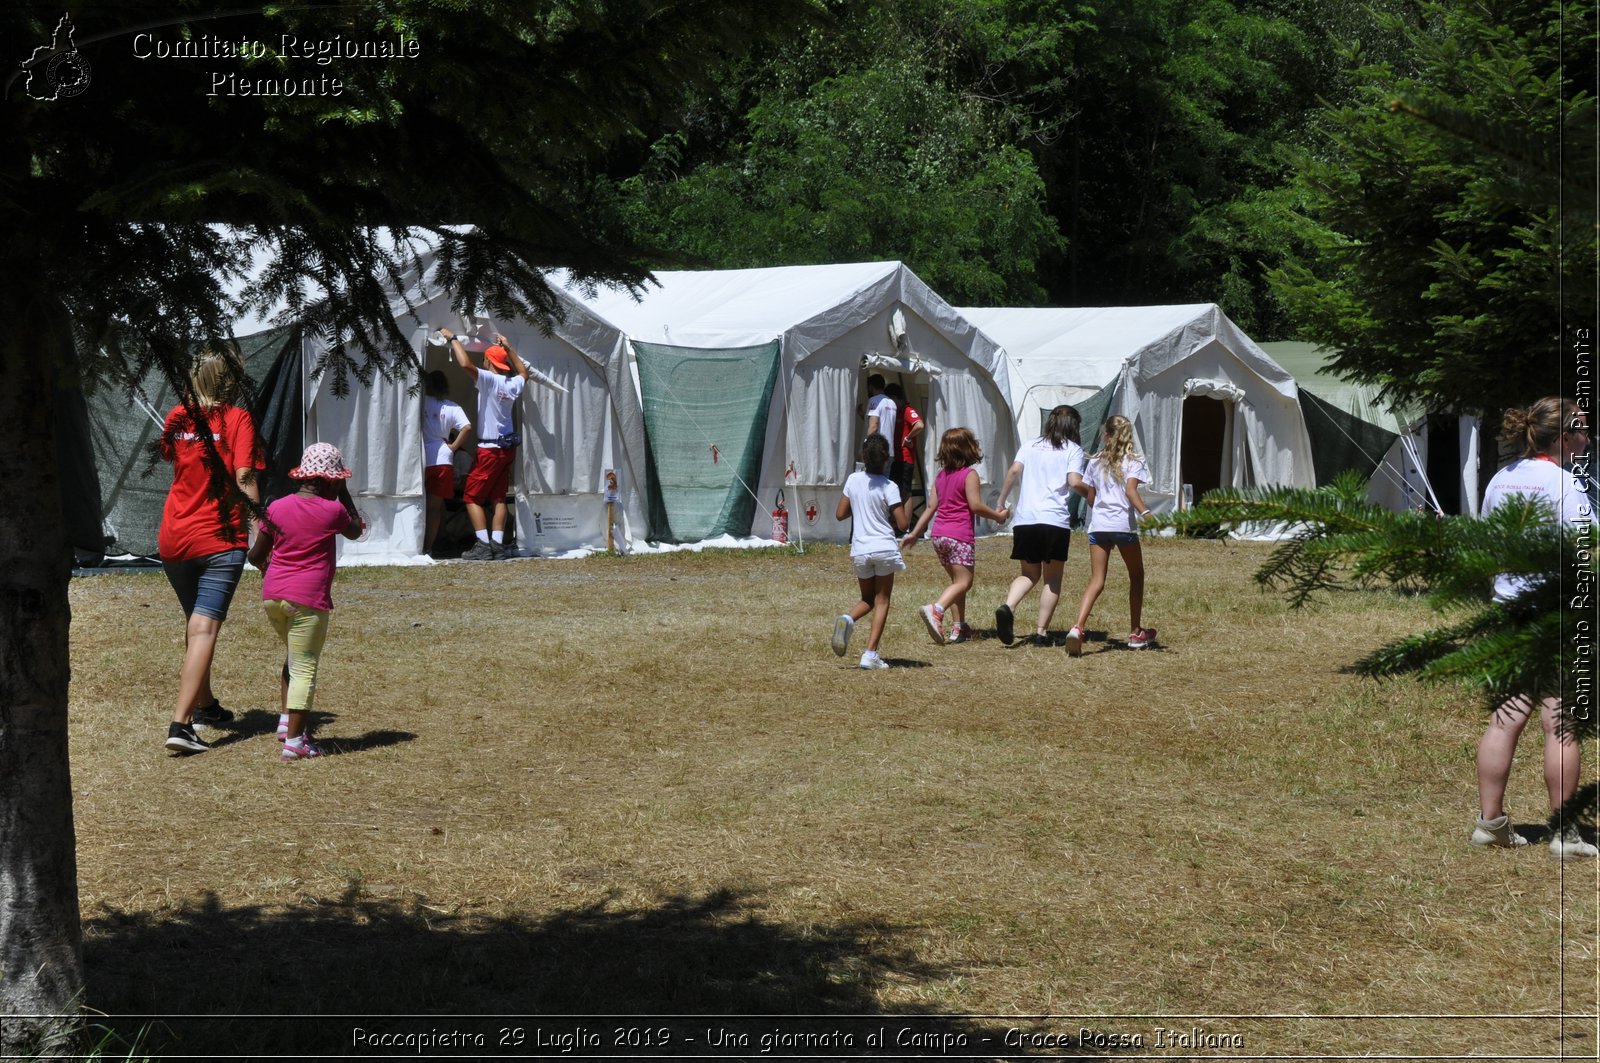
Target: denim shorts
column 205, row 585
column 1113, row 538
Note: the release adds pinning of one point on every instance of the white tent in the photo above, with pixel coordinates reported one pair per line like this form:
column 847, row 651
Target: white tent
column 569, row 440
column 1209, row 407
column 830, row 322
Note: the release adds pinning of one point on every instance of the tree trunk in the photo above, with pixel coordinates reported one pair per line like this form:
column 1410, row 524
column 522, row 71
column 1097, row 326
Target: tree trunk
column 41, row 958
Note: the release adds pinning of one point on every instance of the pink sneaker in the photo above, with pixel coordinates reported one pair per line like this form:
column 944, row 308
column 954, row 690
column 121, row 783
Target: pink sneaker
column 300, row 749
column 933, row 617
column 1145, row 636
column 1075, row 642
column 960, row 633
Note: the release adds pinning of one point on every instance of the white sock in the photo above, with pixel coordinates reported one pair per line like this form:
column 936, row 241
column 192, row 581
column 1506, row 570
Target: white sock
column 499, row 537
column 483, row 536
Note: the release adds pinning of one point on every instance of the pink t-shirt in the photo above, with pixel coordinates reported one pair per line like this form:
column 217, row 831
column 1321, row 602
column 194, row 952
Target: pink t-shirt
column 301, row 569
column 953, row 518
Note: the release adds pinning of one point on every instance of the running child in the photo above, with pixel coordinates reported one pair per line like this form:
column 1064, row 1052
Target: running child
column 296, row 551
column 955, row 503
column 1114, row 476
column 873, row 500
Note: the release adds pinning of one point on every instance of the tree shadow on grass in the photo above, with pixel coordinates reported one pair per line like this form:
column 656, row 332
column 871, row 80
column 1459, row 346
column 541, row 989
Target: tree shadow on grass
column 245, row 982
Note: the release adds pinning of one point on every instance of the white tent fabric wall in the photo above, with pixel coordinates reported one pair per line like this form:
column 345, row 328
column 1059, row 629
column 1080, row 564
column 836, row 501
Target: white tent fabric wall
column 569, row 440
column 827, row 319
column 1159, row 356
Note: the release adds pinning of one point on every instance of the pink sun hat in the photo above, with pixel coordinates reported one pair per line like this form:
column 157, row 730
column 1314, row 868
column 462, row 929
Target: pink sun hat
column 321, row 461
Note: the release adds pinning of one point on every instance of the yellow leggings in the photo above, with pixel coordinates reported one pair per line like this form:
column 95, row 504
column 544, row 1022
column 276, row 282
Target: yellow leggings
column 303, row 631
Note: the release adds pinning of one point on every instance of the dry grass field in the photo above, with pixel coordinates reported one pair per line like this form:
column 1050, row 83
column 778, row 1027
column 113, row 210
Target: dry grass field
column 645, row 786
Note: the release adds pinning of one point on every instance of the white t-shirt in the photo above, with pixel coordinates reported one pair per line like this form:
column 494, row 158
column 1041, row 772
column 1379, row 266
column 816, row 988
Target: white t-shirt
column 871, row 498
column 883, row 408
column 439, row 418
column 1536, row 477
column 1112, row 511
column 497, row 396
column 1042, row 497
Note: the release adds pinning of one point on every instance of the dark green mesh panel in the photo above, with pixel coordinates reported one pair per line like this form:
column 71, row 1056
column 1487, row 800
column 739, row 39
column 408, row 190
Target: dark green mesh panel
column 1340, row 441
column 705, row 421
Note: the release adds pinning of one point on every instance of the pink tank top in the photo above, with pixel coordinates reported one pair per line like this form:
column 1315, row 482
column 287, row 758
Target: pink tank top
column 953, row 518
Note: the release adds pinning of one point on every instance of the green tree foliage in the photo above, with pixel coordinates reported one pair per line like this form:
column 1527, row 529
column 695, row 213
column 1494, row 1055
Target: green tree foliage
column 1539, row 644
column 1453, row 243
column 132, row 207
column 1024, row 152
column 864, row 146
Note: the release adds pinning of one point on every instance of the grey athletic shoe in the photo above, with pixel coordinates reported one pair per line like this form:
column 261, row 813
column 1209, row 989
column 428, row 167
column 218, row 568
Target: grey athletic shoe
column 1497, row 833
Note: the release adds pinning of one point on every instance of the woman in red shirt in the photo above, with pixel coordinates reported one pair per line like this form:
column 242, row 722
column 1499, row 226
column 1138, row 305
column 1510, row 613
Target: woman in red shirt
column 205, row 528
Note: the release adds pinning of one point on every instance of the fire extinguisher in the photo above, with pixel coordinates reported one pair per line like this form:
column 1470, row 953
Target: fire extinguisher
column 780, row 522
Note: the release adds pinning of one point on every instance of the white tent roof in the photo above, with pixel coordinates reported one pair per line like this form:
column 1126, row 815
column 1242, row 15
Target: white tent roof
column 809, row 306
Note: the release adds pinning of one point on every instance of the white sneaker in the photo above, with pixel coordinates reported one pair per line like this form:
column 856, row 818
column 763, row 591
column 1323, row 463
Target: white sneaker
column 933, row 617
column 1498, row 833
column 1075, row 642
column 842, row 629
column 1569, row 845
column 872, row 662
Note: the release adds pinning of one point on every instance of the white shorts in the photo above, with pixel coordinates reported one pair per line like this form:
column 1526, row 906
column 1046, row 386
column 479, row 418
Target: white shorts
column 882, row 563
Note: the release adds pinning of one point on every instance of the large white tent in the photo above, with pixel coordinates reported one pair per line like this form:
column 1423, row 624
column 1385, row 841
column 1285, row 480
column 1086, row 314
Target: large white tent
column 1209, row 407
column 831, row 324
column 570, row 437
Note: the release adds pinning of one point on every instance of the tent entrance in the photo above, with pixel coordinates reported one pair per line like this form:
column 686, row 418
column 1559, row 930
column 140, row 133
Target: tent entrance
column 705, row 422
column 1204, row 449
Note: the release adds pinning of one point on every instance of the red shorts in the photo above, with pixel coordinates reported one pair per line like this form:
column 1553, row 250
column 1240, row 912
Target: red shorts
column 490, row 476
column 439, row 481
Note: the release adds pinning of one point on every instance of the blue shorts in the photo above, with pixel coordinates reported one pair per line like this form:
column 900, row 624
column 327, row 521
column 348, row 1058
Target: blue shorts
column 1111, row 538
column 205, row 585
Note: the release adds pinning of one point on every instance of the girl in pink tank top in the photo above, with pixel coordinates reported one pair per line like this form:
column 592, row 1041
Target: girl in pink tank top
column 956, row 502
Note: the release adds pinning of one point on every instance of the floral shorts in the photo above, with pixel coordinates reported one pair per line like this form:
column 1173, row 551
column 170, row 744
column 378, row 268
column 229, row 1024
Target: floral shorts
column 954, row 551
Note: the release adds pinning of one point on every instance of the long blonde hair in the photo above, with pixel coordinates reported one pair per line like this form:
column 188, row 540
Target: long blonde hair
column 1118, row 445
column 215, row 378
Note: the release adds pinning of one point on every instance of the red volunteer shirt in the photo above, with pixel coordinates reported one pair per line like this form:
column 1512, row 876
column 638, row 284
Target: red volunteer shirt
column 192, row 523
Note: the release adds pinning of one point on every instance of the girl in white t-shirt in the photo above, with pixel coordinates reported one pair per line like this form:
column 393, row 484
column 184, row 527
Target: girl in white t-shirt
column 1114, row 476
column 873, row 500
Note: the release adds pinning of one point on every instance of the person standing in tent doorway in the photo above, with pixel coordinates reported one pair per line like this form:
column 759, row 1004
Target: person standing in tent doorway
column 1049, row 469
column 909, row 428
column 206, row 525
column 880, row 411
column 1553, row 433
column 499, row 385
column 445, row 430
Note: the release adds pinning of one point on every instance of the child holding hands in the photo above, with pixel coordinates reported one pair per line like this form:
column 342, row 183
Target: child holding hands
column 296, row 551
column 873, row 500
column 955, row 504
column 1114, row 476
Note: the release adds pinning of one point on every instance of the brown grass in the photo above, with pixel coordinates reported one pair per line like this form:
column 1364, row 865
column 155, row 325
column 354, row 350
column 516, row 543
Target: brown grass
column 645, row 785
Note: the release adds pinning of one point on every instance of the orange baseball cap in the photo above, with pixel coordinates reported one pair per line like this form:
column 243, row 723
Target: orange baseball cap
column 498, row 357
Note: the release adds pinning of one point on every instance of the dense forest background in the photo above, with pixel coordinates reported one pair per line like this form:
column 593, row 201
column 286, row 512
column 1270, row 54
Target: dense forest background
column 1403, row 181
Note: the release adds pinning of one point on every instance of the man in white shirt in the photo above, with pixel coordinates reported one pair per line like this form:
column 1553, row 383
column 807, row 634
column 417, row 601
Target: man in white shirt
column 881, row 411
column 499, row 385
